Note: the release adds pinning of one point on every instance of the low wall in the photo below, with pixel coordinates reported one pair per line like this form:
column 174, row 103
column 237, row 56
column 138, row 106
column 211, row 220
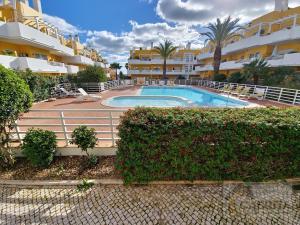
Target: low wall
column 73, row 151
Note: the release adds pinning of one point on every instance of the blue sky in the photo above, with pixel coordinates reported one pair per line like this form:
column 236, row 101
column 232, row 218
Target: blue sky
column 115, row 26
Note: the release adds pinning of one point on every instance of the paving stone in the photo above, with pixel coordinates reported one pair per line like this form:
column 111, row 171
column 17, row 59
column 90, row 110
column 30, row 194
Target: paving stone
column 174, row 204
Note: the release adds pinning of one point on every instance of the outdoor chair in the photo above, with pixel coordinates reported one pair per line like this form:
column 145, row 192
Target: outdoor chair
column 87, row 97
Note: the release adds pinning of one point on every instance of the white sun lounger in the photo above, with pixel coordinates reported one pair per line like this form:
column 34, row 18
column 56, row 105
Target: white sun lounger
column 67, row 93
column 161, row 82
column 153, row 82
column 87, row 97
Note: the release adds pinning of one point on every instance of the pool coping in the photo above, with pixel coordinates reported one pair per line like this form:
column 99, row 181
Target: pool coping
column 189, row 102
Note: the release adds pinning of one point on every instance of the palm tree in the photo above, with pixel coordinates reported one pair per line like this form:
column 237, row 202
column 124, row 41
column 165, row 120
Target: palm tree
column 165, row 50
column 256, row 69
column 117, row 67
column 220, row 32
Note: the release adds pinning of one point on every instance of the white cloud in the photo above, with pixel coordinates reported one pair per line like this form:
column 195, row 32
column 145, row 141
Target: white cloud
column 196, row 12
column 63, row 26
column 116, row 47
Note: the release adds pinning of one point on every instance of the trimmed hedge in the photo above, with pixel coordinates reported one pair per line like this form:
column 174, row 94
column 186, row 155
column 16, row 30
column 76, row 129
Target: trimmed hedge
column 209, row 144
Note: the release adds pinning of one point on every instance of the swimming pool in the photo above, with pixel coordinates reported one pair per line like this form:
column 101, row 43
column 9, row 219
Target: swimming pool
column 148, row 101
column 199, row 97
column 155, row 96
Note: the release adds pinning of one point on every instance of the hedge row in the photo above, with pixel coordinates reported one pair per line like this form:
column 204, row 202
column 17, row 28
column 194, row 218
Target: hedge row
column 209, row 144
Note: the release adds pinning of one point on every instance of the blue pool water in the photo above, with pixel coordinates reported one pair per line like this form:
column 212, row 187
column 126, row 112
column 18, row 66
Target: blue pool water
column 199, row 97
column 152, row 96
column 148, row 101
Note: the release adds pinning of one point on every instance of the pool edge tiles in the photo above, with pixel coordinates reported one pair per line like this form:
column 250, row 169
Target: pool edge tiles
column 180, row 102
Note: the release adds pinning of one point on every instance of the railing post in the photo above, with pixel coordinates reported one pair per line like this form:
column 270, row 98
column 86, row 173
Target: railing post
column 279, row 97
column 63, row 123
column 266, row 92
column 295, row 98
column 112, row 128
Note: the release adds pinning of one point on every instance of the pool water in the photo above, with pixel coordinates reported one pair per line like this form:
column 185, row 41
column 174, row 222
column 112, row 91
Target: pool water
column 152, row 96
column 199, row 97
column 148, row 101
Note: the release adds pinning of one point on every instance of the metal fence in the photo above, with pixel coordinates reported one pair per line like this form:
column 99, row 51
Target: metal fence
column 63, row 122
column 283, row 95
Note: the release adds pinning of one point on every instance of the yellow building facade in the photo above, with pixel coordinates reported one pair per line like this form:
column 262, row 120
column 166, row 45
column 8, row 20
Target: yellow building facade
column 274, row 37
column 148, row 63
column 29, row 42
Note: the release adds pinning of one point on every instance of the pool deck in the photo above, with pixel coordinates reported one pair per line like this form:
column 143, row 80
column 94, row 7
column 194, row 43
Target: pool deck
column 71, row 103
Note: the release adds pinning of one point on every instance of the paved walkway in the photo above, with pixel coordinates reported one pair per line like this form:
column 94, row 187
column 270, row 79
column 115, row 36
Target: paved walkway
column 113, row 204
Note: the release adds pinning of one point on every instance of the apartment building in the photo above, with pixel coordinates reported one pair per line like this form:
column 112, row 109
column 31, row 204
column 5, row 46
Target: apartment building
column 148, row 63
column 29, row 42
column 274, row 37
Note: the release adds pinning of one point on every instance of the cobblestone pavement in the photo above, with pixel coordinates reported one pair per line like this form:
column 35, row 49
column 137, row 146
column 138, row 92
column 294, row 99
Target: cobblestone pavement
column 180, row 204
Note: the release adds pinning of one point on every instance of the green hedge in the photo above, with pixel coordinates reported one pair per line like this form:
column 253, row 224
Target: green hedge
column 209, row 144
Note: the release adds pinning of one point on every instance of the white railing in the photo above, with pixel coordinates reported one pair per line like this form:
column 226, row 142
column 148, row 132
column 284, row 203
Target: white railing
column 100, row 87
column 63, row 122
column 283, row 95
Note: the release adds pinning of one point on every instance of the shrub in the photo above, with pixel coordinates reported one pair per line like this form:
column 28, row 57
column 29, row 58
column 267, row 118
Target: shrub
column 210, row 144
column 15, row 98
column 219, row 77
column 40, row 85
column 39, row 147
column 236, row 77
column 84, row 138
column 91, row 74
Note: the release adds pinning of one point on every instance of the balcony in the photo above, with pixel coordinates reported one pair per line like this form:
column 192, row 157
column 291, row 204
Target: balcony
column 78, row 60
column 160, row 61
column 159, row 72
column 284, row 35
column 281, row 60
column 36, row 65
column 19, row 33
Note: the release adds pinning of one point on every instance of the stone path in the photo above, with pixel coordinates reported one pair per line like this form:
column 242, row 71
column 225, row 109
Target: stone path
column 113, row 204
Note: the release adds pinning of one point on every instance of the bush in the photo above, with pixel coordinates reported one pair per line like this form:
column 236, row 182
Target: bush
column 39, row 147
column 236, row 77
column 91, row 74
column 40, row 85
column 209, row 144
column 15, row 98
column 84, row 138
column 219, row 77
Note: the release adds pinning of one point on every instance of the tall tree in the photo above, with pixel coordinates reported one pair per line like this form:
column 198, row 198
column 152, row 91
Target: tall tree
column 117, row 67
column 256, row 69
column 220, row 32
column 165, row 50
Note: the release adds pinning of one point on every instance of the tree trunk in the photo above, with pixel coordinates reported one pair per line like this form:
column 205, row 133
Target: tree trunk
column 217, row 59
column 117, row 77
column 165, row 70
column 255, row 79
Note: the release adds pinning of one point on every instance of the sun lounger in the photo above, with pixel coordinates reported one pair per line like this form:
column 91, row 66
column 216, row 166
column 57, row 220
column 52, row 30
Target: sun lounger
column 153, row 82
column 162, row 83
column 245, row 93
column 170, row 83
column 259, row 93
column 147, row 83
column 238, row 90
column 67, row 93
column 227, row 89
column 87, row 97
